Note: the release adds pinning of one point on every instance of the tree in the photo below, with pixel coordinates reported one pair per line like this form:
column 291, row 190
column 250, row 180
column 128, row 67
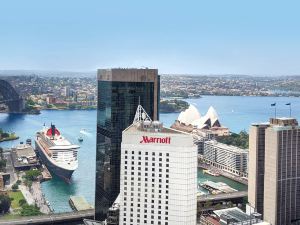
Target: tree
column 4, row 203
column 2, row 164
column 15, row 187
column 5, row 135
column 22, row 202
column 30, row 210
column 32, row 175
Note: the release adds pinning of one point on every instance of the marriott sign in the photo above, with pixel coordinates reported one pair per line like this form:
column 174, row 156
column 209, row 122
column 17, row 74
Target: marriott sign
column 146, row 140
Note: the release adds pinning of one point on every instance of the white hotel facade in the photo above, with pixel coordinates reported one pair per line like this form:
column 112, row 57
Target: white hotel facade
column 158, row 176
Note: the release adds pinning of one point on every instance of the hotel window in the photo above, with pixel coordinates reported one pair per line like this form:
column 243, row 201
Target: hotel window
column 167, row 154
column 160, row 154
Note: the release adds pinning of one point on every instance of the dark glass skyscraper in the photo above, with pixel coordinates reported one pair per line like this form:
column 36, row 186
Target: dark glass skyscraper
column 120, row 91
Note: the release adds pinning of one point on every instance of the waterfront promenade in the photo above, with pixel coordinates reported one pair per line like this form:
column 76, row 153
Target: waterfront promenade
column 39, row 198
column 34, row 195
column 222, row 172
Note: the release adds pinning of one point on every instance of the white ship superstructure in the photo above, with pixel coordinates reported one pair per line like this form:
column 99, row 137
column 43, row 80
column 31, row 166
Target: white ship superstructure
column 59, row 155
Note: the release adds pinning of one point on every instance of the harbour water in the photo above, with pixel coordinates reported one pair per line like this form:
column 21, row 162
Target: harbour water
column 235, row 112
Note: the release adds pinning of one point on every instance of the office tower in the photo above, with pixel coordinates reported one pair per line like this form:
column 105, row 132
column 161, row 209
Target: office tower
column 120, row 91
column 158, row 176
column 281, row 186
column 256, row 166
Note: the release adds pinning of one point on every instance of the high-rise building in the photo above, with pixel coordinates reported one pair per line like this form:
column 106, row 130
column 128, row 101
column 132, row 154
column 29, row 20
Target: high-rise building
column 158, row 176
column 120, row 91
column 256, row 166
column 281, row 183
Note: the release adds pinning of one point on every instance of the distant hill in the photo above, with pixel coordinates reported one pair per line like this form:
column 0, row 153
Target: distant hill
column 45, row 73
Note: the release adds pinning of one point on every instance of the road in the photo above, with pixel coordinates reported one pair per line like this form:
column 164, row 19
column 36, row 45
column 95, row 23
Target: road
column 49, row 219
column 10, row 168
column 219, row 197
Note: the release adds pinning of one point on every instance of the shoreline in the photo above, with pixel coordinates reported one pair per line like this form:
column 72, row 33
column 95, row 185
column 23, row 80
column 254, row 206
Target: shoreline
column 9, row 139
column 224, row 174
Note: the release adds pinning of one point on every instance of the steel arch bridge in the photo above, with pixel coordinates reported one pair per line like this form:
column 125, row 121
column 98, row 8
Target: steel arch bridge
column 11, row 98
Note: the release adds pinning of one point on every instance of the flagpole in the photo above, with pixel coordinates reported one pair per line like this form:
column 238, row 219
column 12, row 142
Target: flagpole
column 290, row 110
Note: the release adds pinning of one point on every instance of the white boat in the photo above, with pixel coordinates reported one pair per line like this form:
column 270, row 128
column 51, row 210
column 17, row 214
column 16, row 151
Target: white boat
column 56, row 152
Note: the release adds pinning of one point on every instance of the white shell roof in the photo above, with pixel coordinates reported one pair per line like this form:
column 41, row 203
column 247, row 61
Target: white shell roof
column 200, row 123
column 189, row 115
column 193, row 117
column 212, row 114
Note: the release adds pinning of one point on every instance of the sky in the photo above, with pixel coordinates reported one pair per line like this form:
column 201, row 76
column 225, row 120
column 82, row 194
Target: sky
column 251, row 37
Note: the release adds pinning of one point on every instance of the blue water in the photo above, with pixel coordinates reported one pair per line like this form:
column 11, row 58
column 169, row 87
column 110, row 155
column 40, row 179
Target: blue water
column 70, row 122
column 235, row 112
column 238, row 112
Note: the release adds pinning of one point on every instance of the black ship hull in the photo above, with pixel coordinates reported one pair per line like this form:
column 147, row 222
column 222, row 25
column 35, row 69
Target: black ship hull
column 58, row 171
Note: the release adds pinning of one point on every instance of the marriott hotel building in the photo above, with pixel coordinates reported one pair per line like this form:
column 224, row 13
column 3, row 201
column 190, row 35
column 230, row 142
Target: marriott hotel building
column 158, row 176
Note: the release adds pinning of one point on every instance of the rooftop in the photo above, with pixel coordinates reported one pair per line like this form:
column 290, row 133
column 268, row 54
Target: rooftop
column 151, row 128
column 24, row 150
column 230, row 148
column 235, row 213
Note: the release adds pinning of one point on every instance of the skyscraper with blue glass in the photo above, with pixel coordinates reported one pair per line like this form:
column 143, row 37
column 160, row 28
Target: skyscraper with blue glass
column 120, row 91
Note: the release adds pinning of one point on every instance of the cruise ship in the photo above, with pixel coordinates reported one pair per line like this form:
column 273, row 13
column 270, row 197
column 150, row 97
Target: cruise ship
column 56, row 152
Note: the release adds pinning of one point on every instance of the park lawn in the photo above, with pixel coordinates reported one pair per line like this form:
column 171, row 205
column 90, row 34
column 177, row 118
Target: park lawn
column 17, row 196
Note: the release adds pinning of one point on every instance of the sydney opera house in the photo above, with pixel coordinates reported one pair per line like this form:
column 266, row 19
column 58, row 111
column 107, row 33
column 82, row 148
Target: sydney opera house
column 191, row 120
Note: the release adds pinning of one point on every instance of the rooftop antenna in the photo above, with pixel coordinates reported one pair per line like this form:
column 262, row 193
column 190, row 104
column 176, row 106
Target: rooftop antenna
column 141, row 115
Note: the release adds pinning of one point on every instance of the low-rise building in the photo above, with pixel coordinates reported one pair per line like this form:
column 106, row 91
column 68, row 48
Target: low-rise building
column 231, row 216
column 24, row 157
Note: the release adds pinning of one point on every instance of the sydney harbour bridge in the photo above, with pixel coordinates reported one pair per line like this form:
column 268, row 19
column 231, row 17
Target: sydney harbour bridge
column 10, row 97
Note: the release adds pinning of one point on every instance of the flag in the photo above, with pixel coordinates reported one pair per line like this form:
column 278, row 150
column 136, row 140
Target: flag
column 274, row 104
column 288, row 103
